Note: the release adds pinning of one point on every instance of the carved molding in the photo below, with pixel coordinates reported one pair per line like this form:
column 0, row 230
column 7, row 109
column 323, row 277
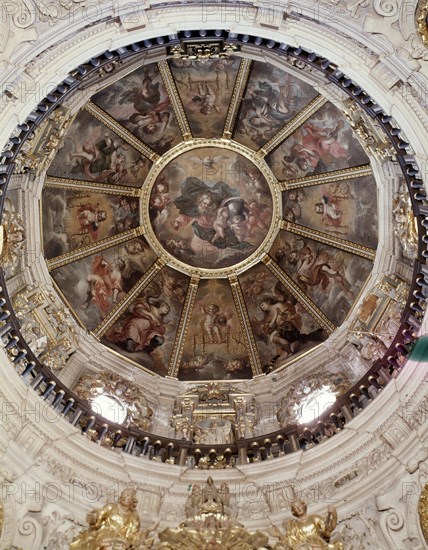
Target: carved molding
column 38, row 152
column 122, row 395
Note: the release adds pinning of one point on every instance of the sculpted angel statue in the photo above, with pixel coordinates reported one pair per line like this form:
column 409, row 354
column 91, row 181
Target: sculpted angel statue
column 307, row 531
column 115, row 527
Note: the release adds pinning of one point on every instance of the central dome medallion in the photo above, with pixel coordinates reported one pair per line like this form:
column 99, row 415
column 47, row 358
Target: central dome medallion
column 211, row 207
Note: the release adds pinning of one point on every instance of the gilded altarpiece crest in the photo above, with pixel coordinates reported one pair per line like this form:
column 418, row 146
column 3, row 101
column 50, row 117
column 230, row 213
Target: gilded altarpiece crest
column 214, row 414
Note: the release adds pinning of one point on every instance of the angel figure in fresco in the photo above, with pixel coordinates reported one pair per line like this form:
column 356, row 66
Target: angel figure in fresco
column 103, row 160
column 330, row 210
column 152, row 116
column 172, row 287
column 324, row 141
column 150, row 126
column 123, row 209
column 132, row 264
column 254, row 286
column 137, row 168
column 161, row 189
column 195, row 363
column 144, row 329
column 234, row 366
column 281, row 324
column 276, row 97
column 104, row 285
column 125, row 215
column 268, row 108
column 205, row 98
column 119, row 172
column 223, row 64
column 292, row 206
column 290, row 251
column 127, row 270
column 159, row 198
column 301, row 161
column 239, row 225
column 259, row 217
column 320, row 268
column 256, row 184
column 220, row 223
column 145, row 96
column 261, row 125
column 148, row 93
column 180, row 250
column 89, row 218
column 214, row 323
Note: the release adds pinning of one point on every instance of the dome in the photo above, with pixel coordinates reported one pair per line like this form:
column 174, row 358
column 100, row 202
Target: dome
column 210, row 219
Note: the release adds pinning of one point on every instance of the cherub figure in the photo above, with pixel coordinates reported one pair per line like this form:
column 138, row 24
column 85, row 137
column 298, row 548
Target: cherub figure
column 211, row 326
column 205, row 98
column 329, row 208
column 220, row 223
column 238, row 225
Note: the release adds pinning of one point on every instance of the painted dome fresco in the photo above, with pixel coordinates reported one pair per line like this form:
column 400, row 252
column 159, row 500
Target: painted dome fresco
column 210, row 219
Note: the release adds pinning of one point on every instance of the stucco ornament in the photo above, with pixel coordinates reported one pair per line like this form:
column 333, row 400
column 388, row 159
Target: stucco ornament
column 17, row 21
column 386, row 8
column 54, row 11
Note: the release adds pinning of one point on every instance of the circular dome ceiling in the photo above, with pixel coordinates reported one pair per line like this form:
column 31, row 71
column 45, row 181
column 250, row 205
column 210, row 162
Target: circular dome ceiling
column 210, row 219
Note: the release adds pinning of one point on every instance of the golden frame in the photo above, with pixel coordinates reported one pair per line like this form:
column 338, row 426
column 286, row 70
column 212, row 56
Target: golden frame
column 221, row 143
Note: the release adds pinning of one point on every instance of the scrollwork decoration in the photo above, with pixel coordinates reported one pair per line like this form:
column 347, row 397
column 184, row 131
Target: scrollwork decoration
column 386, row 8
column 25, row 16
column 394, row 521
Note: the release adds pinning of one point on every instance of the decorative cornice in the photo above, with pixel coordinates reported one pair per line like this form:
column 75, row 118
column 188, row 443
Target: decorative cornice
column 293, row 125
column 330, row 240
column 301, row 296
column 121, row 306
column 120, row 130
column 236, row 99
column 92, row 248
column 328, row 177
column 79, row 185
